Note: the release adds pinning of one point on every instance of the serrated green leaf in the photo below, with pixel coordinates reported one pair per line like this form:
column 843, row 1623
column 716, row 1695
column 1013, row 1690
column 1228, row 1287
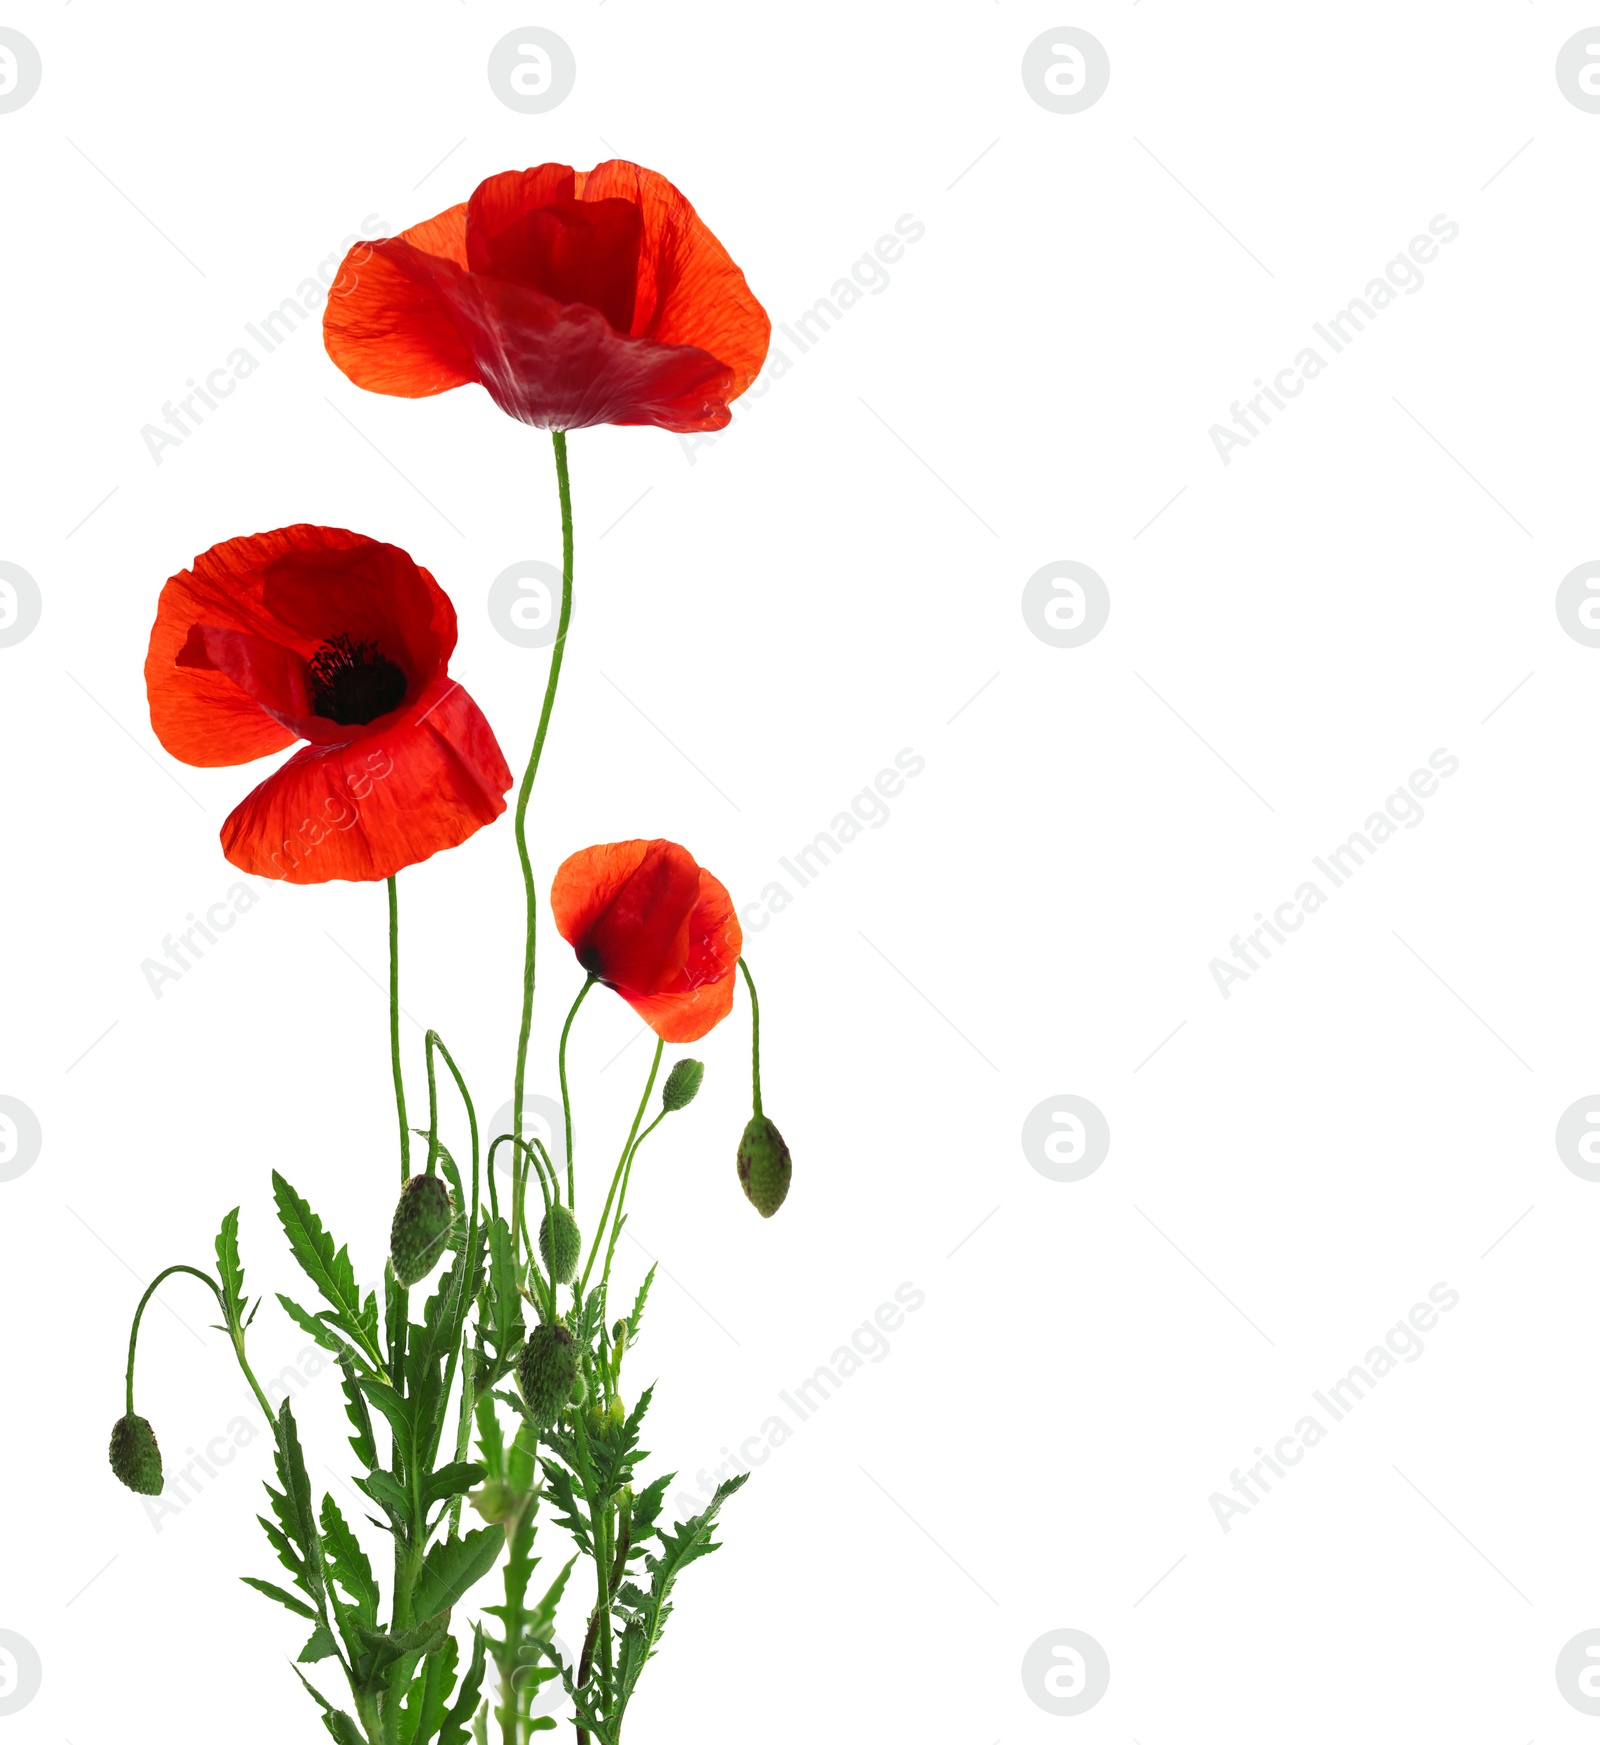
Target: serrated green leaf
column 298, row 1607
column 349, row 1562
column 320, row 1647
column 324, row 1335
column 229, row 1270
column 453, row 1729
column 328, row 1268
column 453, row 1566
column 638, row 1305
column 387, row 1492
column 453, row 1480
column 296, row 1511
column 364, row 1444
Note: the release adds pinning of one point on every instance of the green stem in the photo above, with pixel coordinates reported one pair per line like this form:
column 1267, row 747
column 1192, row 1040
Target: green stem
column 616, row 1177
column 394, row 1030
column 622, row 1198
column 563, row 484
column 755, row 1034
column 566, row 1101
column 138, row 1314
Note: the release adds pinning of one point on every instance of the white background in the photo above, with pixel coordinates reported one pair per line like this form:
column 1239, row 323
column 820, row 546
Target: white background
column 839, row 577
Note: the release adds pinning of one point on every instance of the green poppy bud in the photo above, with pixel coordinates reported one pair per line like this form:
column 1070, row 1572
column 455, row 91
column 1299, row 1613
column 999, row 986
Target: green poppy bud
column 683, row 1084
column 546, row 1372
column 421, row 1228
column 559, row 1243
column 618, row 1412
column 496, row 1500
column 579, row 1391
column 135, row 1458
column 597, row 1419
column 764, row 1167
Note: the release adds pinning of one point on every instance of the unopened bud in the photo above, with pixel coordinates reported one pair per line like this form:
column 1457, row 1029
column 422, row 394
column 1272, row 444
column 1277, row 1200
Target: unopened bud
column 496, row 1501
column 764, row 1166
column 135, row 1458
column 559, row 1243
column 421, row 1228
column 683, row 1084
column 546, row 1372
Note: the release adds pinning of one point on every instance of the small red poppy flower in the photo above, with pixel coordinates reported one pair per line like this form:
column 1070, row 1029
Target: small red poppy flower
column 573, row 297
column 649, row 922
column 317, row 634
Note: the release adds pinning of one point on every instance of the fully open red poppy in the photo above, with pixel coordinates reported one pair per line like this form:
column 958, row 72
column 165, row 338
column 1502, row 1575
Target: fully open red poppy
column 317, row 634
column 649, row 922
column 573, row 297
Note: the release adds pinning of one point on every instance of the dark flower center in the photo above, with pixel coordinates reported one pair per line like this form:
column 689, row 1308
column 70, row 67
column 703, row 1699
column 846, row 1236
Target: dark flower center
column 352, row 683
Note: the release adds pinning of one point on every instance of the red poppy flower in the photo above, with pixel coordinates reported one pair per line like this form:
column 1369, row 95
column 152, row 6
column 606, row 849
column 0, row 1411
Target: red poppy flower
column 574, row 297
column 659, row 929
column 317, row 634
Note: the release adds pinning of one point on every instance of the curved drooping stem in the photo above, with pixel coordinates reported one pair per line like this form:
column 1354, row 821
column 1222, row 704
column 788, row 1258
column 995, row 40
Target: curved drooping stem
column 138, row 1315
column 755, row 1035
column 563, row 485
column 566, row 1100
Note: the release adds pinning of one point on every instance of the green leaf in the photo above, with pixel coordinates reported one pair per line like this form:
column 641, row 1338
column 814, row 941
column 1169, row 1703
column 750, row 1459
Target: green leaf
column 452, row 1566
column 387, row 1492
column 422, row 1712
column 320, row 1647
column 686, row 1542
column 229, row 1270
column 324, row 1334
column 381, row 1649
column 453, row 1480
column 453, row 1731
column 298, row 1607
column 349, row 1562
column 296, row 1510
column 329, row 1270
column 364, row 1443
column 638, row 1305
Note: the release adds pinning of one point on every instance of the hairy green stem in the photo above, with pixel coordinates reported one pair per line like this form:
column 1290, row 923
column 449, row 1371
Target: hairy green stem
column 566, row 1100
column 616, row 1177
column 138, row 1314
column 755, row 1034
column 394, row 1030
column 563, row 485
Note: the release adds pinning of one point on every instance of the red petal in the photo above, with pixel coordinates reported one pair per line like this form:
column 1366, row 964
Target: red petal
column 386, row 325
column 409, row 317
column 294, row 587
column 574, row 251
column 703, row 996
column 690, row 290
column 660, row 929
column 367, row 809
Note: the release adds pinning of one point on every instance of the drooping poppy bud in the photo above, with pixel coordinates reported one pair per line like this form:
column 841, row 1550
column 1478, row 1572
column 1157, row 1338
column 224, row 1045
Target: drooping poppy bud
column 683, row 1085
column 421, row 1228
column 764, row 1166
column 559, row 1243
column 135, row 1458
column 579, row 1390
column 546, row 1372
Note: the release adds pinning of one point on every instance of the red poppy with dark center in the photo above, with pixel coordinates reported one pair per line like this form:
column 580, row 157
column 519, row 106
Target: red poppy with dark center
column 649, row 922
column 318, row 634
column 573, row 297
